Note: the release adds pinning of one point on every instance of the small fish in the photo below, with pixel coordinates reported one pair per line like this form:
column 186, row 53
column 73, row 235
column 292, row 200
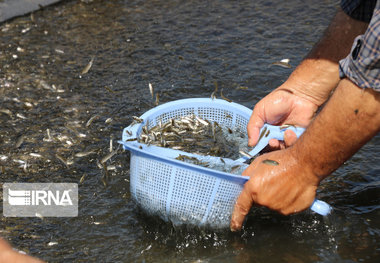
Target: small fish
column 92, row 119
column 111, row 167
column 266, row 135
column 39, row 216
column 270, row 162
column 262, row 134
column 87, row 68
column 49, row 139
column 20, row 141
column 99, row 164
column 245, row 154
column 104, row 179
column 25, row 166
column 213, row 131
column 7, row 112
column 201, row 121
column 84, row 154
column 283, row 63
column 109, row 89
column 157, row 99
column 108, row 156
column 285, row 126
column 52, row 243
column 223, row 97
column 25, row 30
column 37, row 155
column 111, row 145
column 234, row 168
column 65, row 162
column 213, row 94
column 28, row 104
column 82, row 178
column 137, row 119
column 46, row 86
column 19, row 161
column 241, row 88
column 21, row 116
column 151, row 90
column 59, row 51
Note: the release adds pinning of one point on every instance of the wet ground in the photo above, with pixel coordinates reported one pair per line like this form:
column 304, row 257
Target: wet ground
column 182, row 48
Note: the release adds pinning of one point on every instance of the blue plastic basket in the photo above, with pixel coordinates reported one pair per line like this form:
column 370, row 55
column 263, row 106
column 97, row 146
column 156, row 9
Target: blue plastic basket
column 185, row 193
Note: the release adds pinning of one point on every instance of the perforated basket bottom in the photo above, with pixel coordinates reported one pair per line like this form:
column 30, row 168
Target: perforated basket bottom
column 180, row 195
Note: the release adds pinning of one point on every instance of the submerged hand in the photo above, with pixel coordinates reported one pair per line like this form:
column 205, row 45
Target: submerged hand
column 277, row 181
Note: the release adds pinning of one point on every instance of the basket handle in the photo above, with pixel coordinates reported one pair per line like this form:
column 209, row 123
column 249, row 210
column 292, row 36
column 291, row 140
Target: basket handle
column 268, row 132
column 321, row 207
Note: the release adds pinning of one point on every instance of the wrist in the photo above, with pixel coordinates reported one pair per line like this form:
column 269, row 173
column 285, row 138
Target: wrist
column 313, row 80
column 305, row 170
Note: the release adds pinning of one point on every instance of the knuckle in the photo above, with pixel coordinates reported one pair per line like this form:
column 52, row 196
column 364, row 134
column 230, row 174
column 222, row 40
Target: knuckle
column 241, row 209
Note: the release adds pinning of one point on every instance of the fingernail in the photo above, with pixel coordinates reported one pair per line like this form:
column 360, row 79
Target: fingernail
column 234, row 227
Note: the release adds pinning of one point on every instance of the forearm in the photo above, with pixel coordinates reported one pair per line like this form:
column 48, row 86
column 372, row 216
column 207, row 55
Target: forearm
column 318, row 74
column 349, row 119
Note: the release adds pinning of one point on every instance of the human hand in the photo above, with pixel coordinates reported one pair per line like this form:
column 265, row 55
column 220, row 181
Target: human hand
column 282, row 184
column 279, row 107
column 7, row 254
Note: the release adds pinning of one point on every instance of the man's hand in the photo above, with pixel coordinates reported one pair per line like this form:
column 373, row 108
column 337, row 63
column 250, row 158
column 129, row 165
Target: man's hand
column 288, row 181
column 277, row 181
column 279, row 107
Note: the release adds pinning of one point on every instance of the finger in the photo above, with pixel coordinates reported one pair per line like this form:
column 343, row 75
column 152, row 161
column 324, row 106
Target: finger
column 241, row 209
column 290, row 138
column 256, row 122
column 274, row 144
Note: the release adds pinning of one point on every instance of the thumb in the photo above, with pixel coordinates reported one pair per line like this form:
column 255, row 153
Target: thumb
column 256, row 122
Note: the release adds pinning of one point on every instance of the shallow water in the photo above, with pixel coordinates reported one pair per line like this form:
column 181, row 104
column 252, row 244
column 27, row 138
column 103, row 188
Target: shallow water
column 182, row 48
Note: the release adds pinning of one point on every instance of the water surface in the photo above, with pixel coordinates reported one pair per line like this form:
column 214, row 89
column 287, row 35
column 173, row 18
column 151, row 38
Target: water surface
column 182, row 48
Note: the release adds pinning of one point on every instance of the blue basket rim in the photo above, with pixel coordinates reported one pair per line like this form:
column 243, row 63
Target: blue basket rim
column 207, row 101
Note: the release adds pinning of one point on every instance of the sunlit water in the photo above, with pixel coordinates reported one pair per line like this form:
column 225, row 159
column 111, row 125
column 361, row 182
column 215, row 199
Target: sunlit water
column 182, row 48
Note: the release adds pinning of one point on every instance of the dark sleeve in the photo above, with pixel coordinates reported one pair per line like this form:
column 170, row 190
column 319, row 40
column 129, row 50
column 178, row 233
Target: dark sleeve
column 359, row 9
